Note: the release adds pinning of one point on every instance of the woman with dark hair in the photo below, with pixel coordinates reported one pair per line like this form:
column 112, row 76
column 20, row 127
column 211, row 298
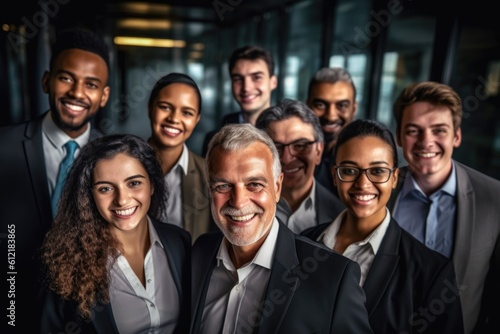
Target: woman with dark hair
column 109, row 265
column 409, row 288
column 174, row 110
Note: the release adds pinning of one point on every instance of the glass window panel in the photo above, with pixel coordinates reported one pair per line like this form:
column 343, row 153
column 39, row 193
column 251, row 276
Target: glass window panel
column 303, row 48
column 350, row 47
column 407, row 58
column 476, row 77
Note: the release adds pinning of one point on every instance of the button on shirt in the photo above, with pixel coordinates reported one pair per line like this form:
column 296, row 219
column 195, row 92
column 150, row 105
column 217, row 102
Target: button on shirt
column 305, row 215
column 53, row 147
column 364, row 251
column 173, row 186
column 151, row 309
column 430, row 219
column 234, row 295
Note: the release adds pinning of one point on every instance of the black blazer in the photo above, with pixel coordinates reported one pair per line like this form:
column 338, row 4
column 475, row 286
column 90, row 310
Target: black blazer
column 25, row 209
column 409, row 288
column 318, row 289
column 56, row 313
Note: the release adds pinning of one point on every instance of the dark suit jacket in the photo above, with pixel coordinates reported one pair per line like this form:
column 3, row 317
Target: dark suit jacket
column 232, row 118
column 323, row 174
column 25, row 210
column 327, row 206
column 318, row 289
column 409, row 288
column 197, row 217
column 57, row 314
column 476, row 252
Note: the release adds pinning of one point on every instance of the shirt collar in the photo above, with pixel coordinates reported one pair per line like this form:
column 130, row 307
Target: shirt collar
column 153, row 235
column 264, row 256
column 306, row 204
column 58, row 137
column 450, row 186
column 329, row 235
column 183, row 161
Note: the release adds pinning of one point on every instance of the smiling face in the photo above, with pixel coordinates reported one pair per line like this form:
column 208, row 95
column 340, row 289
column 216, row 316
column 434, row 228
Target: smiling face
column 335, row 107
column 244, row 193
column 298, row 169
column 428, row 138
column 363, row 199
column 252, row 85
column 174, row 114
column 77, row 89
column 122, row 192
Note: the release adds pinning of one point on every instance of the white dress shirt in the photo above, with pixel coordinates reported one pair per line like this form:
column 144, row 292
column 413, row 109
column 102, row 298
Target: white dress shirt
column 364, row 251
column 305, row 215
column 173, row 186
column 151, row 309
column 234, row 295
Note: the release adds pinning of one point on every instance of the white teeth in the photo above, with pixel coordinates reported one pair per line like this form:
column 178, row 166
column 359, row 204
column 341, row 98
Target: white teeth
column 242, row 218
column 74, row 107
column 171, row 130
column 428, row 155
column 291, row 170
column 127, row 212
column 364, row 197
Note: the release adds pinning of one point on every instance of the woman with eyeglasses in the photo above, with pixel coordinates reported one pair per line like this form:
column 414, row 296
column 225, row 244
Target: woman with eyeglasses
column 409, row 288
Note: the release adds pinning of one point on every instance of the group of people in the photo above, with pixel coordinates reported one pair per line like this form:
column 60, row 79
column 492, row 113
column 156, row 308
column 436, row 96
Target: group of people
column 296, row 219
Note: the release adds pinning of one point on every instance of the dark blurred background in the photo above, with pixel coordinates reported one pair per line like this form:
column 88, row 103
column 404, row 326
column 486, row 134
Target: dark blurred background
column 384, row 44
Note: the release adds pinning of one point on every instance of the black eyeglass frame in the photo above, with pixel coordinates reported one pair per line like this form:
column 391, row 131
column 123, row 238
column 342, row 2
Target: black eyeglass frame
column 280, row 147
column 364, row 170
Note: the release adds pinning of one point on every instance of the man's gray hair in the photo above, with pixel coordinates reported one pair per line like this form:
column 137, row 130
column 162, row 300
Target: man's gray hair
column 235, row 137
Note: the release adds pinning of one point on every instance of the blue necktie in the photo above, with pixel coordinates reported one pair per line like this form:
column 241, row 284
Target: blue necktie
column 71, row 147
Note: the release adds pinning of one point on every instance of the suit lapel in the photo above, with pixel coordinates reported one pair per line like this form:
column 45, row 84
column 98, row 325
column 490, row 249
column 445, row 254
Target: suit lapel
column 282, row 280
column 33, row 150
column 383, row 267
column 464, row 222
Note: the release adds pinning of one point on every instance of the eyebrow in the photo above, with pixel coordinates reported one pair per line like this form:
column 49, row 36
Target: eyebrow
column 373, row 163
column 61, row 71
column 138, row 176
column 241, row 75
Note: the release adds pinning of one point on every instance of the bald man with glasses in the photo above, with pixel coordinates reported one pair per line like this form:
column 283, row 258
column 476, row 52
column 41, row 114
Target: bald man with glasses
column 297, row 135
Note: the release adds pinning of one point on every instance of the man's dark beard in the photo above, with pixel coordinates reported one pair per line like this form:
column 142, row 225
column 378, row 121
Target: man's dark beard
column 69, row 127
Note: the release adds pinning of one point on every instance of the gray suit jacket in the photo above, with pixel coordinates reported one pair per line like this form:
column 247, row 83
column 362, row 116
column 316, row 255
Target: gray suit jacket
column 197, row 217
column 476, row 252
column 311, row 289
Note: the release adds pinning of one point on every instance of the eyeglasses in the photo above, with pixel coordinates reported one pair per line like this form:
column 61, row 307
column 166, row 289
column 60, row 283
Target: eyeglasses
column 298, row 147
column 374, row 174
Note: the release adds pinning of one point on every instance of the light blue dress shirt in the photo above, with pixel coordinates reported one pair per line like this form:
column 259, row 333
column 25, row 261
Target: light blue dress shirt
column 430, row 219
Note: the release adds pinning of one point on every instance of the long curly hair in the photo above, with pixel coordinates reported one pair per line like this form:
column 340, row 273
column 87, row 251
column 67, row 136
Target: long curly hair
column 79, row 249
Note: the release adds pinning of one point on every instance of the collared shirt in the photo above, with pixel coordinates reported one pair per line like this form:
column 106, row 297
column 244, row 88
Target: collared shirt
column 430, row 219
column 303, row 217
column 150, row 309
column 53, row 140
column 173, row 186
column 234, row 295
column 364, row 251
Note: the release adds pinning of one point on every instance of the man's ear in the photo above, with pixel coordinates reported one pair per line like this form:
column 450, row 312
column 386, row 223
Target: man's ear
column 45, row 82
column 273, row 82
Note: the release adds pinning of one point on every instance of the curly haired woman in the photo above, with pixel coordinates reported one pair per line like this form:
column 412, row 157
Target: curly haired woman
column 109, row 265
